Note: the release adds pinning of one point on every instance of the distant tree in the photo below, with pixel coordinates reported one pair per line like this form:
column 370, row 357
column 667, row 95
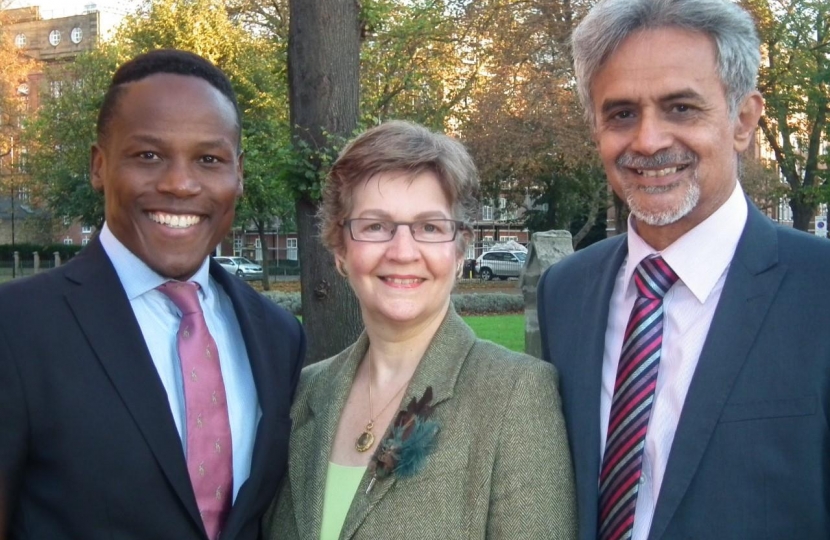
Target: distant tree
column 795, row 81
column 761, row 181
column 61, row 132
column 421, row 59
column 567, row 197
column 526, row 128
column 14, row 95
column 63, row 129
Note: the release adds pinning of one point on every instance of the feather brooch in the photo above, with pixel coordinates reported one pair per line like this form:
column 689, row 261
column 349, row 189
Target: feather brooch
column 411, row 439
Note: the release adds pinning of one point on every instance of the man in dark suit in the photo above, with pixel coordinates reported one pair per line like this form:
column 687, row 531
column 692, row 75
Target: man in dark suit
column 693, row 352
column 100, row 424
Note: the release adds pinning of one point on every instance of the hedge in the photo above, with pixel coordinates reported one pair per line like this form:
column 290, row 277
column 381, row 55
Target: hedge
column 465, row 304
column 27, row 250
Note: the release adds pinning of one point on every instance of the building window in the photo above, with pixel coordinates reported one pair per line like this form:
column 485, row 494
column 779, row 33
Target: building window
column 77, row 35
column 66, row 221
column 86, row 229
column 23, row 194
column 487, row 213
column 291, row 245
column 20, row 41
column 85, row 240
column 54, row 37
column 502, row 203
column 785, row 212
column 237, row 246
column 67, row 241
column 23, row 89
column 509, row 238
column 22, row 161
column 55, row 88
column 258, row 250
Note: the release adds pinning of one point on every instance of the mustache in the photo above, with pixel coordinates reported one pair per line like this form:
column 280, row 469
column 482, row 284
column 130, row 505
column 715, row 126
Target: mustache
column 669, row 156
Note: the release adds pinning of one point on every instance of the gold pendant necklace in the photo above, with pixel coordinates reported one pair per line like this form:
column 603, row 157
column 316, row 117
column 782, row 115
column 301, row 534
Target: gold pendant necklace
column 367, row 439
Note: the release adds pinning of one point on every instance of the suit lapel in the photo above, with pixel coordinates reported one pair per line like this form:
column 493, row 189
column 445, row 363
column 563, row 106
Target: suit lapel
column 439, row 368
column 105, row 316
column 312, row 438
column 751, row 284
column 586, row 375
column 267, row 378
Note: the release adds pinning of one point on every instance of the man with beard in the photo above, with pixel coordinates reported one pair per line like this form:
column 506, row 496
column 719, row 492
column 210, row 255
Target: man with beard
column 693, row 352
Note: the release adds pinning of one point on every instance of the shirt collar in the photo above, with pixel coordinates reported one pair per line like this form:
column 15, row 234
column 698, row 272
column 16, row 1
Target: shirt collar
column 136, row 277
column 703, row 254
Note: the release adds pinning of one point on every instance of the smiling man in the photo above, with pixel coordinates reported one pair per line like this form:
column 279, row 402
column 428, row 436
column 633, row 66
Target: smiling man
column 145, row 392
column 693, row 352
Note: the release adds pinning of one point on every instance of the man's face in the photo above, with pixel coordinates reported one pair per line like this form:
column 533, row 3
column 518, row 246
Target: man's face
column 664, row 132
column 170, row 170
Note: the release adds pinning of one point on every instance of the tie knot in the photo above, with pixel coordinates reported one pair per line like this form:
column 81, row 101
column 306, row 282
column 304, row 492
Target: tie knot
column 654, row 278
column 183, row 294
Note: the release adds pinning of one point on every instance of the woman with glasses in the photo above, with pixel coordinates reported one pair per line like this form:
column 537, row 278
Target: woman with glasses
column 419, row 429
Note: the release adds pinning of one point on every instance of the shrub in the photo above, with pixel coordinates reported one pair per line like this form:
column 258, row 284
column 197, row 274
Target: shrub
column 466, row 304
column 482, row 304
column 290, row 301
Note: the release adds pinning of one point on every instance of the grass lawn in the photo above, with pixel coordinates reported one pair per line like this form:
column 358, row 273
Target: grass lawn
column 506, row 330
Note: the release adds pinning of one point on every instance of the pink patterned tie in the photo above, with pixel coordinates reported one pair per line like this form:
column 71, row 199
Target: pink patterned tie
column 209, row 453
column 622, row 462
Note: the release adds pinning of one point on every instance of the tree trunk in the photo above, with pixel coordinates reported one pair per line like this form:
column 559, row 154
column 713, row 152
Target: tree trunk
column 803, row 212
column 593, row 210
column 266, row 278
column 331, row 315
column 323, row 73
column 620, row 214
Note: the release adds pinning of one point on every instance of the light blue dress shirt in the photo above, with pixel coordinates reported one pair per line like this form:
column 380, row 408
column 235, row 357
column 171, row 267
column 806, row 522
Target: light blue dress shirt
column 159, row 320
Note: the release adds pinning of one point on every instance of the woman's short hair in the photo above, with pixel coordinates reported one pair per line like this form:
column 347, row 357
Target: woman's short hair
column 398, row 146
column 611, row 22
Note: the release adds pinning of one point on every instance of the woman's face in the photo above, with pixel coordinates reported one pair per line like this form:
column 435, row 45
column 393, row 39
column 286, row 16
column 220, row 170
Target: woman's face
column 401, row 281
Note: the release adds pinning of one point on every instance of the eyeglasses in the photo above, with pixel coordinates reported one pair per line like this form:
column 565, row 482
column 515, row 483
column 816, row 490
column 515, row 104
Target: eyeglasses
column 430, row 231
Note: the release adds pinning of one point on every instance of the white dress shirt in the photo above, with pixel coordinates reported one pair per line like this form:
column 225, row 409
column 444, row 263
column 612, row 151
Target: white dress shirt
column 701, row 259
column 159, row 320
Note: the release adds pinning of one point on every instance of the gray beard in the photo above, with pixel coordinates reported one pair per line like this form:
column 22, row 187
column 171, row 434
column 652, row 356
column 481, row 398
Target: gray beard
column 669, row 216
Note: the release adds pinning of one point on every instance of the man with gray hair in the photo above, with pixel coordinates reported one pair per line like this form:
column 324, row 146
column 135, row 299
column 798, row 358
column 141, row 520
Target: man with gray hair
column 693, row 352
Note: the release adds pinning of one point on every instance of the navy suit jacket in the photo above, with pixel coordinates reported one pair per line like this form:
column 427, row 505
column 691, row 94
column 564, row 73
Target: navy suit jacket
column 751, row 455
column 88, row 447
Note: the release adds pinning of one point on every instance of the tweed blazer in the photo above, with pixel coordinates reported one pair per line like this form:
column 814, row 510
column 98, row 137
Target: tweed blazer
column 501, row 467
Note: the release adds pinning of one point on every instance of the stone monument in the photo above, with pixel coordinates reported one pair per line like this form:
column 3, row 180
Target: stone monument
column 546, row 248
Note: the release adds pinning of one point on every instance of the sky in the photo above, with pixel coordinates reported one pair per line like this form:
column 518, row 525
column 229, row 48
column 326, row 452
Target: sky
column 111, row 10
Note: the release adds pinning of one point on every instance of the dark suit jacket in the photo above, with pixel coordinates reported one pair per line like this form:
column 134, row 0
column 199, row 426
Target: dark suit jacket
column 500, row 468
column 88, row 447
column 751, row 455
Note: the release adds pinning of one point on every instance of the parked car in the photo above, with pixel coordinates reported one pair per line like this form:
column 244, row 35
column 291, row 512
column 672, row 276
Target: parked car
column 500, row 264
column 240, row 266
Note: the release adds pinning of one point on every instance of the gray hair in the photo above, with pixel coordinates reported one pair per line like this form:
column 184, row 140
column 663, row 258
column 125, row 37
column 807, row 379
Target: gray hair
column 610, row 22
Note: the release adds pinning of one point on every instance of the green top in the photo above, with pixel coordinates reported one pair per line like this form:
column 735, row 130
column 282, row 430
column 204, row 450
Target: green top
column 341, row 485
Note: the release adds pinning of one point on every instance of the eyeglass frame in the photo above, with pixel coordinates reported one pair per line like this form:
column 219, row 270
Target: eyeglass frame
column 459, row 226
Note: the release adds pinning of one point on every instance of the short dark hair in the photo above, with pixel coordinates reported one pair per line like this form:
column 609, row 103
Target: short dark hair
column 172, row 61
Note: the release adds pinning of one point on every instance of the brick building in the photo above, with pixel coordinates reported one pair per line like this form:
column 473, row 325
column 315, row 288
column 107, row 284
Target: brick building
column 49, row 41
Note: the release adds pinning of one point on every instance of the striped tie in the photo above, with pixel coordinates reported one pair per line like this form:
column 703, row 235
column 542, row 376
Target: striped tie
column 619, row 478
